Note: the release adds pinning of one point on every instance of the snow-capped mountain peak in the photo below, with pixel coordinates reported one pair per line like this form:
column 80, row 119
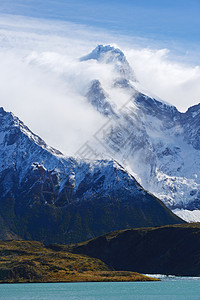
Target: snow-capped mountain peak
column 105, row 53
column 11, row 127
column 157, row 142
column 111, row 55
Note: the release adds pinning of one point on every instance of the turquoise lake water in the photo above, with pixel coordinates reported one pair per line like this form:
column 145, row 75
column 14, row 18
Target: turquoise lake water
column 166, row 289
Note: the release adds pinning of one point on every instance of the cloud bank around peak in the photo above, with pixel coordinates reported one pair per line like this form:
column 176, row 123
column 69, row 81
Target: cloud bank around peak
column 167, row 79
column 43, row 82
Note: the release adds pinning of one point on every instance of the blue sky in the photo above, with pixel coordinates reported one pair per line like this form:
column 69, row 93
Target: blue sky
column 173, row 24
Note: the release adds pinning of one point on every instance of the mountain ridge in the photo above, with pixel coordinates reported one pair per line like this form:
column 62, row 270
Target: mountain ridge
column 48, row 197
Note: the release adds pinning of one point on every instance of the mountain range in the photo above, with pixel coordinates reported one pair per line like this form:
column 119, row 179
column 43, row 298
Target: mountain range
column 147, row 150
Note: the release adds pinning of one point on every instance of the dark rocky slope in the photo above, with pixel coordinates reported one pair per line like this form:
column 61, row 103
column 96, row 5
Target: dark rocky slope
column 167, row 250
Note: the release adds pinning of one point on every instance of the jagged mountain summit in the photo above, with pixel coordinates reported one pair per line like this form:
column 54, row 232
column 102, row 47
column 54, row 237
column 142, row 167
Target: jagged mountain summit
column 159, row 144
column 52, row 198
column 111, row 55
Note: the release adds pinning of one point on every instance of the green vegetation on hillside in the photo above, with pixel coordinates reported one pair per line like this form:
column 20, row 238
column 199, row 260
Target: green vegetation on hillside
column 30, row 261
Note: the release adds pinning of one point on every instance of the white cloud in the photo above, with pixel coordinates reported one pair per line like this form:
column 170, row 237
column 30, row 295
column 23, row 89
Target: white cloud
column 42, row 81
column 175, row 83
column 48, row 100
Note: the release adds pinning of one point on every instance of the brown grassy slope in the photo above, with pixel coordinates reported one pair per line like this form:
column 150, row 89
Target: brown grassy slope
column 28, row 261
